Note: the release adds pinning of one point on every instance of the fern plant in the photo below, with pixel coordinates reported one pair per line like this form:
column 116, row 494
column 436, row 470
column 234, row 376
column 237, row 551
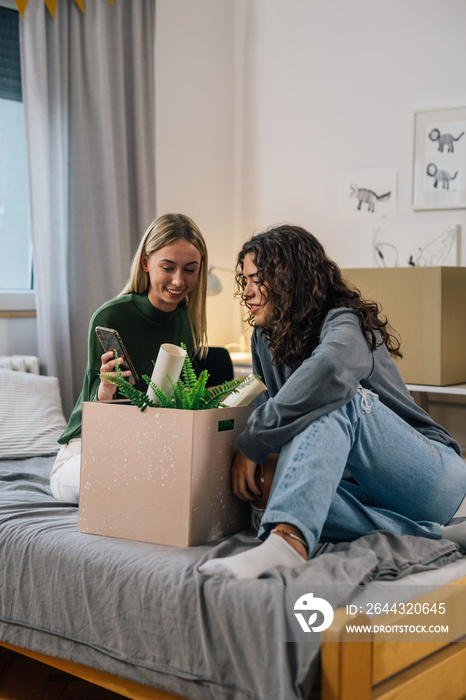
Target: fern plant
column 189, row 393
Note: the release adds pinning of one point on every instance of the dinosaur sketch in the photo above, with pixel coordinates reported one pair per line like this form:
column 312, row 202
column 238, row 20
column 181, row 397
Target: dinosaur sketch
column 367, row 196
column 387, row 254
column 442, row 176
column 444, row 140
column 435, row 252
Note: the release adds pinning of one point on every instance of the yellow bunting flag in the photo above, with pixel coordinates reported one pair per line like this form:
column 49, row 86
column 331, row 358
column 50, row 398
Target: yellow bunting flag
column 21, row 5
column 51, row 6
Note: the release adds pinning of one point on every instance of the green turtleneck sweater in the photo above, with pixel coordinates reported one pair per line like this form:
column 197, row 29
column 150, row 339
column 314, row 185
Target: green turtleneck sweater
column 143, row 329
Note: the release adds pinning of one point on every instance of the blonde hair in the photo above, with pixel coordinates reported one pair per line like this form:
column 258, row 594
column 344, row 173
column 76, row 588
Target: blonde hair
column 161, row 232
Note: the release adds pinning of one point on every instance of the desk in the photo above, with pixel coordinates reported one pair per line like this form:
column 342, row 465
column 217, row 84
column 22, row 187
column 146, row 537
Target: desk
column 458, row 389
column 450, row 414
column 424, row 390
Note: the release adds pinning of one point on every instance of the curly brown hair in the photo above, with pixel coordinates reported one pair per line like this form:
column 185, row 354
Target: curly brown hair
column 303, row 285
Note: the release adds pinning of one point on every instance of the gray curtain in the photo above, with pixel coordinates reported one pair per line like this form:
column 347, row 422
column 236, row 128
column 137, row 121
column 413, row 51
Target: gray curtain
column 88, row 90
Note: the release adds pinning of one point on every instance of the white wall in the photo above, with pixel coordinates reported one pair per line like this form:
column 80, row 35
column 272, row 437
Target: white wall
column 262, row 103
column 195, row 112
column 333, row 86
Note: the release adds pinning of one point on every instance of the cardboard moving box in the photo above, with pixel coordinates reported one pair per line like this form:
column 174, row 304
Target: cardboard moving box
column 161, row 475
column 427, row 308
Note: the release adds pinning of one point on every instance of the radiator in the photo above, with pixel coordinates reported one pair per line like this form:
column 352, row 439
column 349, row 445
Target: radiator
column 20, row 363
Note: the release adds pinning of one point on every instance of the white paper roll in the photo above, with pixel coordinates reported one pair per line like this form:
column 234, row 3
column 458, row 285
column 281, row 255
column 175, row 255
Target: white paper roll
column 169, row 363
column 248, row 391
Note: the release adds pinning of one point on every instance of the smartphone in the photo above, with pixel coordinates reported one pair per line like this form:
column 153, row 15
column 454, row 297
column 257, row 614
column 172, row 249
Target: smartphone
column 110, row 340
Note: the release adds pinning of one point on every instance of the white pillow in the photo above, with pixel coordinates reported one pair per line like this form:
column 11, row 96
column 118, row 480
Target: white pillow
column 31, row 414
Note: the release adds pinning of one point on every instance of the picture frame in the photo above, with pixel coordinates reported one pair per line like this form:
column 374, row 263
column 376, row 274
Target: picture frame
column 439, row 159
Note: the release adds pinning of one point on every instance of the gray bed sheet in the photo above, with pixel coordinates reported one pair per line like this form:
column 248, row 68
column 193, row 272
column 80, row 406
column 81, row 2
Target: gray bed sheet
column 144, row 612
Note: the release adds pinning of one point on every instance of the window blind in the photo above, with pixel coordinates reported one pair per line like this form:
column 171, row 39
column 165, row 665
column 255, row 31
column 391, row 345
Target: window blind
column 10, row 63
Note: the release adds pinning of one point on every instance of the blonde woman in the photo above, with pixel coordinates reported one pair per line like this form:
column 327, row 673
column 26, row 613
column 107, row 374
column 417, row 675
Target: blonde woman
column 164, row 301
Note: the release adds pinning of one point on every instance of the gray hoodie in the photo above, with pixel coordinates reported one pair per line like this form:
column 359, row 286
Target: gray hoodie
column 326, row 380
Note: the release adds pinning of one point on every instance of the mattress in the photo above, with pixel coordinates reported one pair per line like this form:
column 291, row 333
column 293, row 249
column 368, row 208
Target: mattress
column 146, row 613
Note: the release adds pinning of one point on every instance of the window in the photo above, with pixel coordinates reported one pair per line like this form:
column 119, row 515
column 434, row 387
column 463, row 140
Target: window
column 15, row 230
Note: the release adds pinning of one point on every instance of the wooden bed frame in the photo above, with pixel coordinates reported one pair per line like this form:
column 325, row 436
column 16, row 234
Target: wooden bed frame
column 398, row 670
column 370, row 669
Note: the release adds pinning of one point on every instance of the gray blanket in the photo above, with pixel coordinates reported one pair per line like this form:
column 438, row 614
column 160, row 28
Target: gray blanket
column 144, row 612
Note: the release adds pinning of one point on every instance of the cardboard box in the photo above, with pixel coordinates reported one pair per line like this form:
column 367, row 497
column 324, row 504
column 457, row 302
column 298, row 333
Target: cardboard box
column 427, row 307
column 161, row 475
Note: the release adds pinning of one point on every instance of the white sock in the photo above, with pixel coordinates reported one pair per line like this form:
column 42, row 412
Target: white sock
column 275, row 551
column 455, row 533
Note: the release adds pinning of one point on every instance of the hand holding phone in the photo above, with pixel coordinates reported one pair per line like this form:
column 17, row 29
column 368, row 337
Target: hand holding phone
column 110, row 341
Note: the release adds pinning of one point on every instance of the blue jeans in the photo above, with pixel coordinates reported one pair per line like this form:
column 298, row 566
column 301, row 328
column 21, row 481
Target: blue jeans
column 406, row 483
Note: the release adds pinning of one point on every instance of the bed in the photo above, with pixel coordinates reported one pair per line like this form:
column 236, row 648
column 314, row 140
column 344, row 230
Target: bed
column 141, row 620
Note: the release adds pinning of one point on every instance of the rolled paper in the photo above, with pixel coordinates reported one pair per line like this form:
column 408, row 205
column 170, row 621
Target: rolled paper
column 169, row 363
column 247, row 392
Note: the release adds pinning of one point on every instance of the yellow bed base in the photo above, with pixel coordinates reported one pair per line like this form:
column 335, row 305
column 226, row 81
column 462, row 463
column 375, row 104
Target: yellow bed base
column 370, row 669
column 375, row 668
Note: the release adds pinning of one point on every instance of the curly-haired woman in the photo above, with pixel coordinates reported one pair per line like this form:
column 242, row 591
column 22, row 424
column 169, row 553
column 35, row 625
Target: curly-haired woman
column 355, row 452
